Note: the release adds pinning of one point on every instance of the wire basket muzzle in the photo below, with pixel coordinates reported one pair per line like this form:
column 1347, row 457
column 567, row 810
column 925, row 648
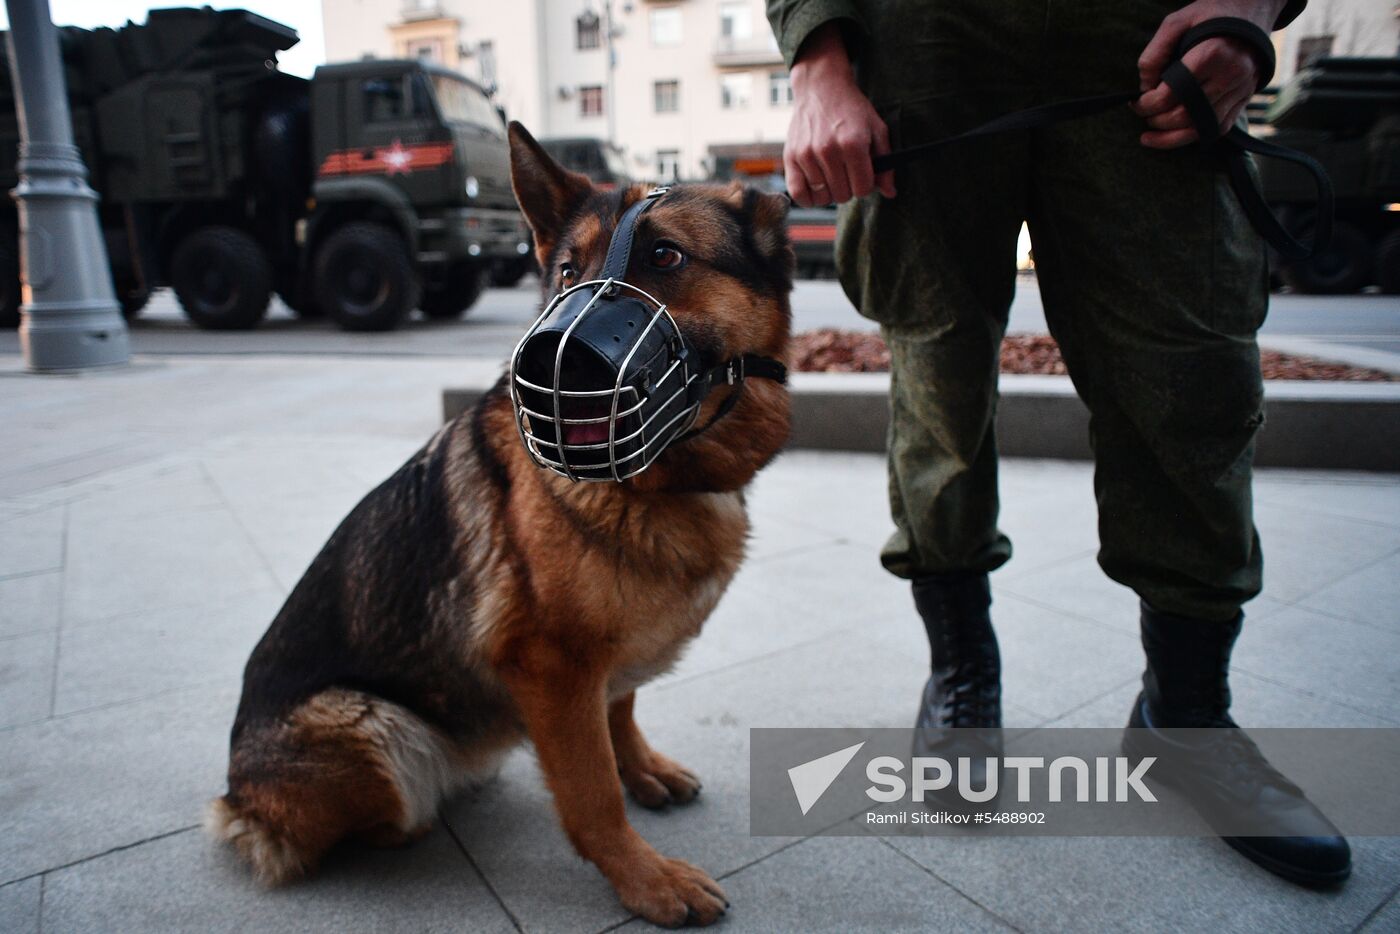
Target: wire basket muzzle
column 601, row 383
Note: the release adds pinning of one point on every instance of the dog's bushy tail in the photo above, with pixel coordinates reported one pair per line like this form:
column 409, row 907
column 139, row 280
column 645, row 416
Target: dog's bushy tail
column 343, row 763
column 274, row 856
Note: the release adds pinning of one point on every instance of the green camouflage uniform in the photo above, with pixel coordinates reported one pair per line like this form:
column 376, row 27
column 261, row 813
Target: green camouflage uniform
column 1154, row 284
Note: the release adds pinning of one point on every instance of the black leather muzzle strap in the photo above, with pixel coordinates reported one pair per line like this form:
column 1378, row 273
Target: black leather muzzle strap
column 734, row 373
column 1231, row 148
column 619, row 253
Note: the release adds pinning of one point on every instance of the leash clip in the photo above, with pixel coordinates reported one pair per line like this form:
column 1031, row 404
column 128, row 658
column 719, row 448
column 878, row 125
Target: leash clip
column 734, row 371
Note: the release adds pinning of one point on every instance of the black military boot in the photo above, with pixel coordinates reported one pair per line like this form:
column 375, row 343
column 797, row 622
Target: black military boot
column 1223, row 774
column 964, row 690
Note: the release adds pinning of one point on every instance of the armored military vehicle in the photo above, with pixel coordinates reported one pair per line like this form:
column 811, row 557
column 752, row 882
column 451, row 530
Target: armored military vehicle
column 371, row 189
column 1344, row 112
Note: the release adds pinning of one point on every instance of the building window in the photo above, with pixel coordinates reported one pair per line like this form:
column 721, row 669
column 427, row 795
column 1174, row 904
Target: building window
column 779, row 89
column 425, row 50
column 590, row 101
column 668, row 165
column 666, row 26
column 588, row 31
column 486, row 63
column 667, row 95
column 735, row 91
column 735, row 19
column 1311, row 48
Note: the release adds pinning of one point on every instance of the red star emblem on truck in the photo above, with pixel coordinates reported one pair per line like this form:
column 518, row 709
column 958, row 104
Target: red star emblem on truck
column 397, row 159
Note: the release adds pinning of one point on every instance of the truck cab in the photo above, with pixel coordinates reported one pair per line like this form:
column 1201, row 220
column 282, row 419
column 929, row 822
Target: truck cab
column 402, row 150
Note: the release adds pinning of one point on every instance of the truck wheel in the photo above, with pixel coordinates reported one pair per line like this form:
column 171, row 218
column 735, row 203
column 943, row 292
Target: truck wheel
column 364, row 278
column 9, row 280
column 1344, row 267
column 459, row 291
column 1388, row 263
column 222, row 279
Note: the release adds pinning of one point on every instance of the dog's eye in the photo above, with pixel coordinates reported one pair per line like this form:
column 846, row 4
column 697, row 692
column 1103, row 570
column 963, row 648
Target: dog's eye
column 566, row 272
column 665, row 256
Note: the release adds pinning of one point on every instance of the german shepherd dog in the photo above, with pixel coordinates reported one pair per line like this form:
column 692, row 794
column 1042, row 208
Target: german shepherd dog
column 475, row 600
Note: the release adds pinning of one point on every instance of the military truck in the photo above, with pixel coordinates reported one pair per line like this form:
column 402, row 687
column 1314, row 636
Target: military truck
column 371, row 189
column 1344, row 112
column 601, row 161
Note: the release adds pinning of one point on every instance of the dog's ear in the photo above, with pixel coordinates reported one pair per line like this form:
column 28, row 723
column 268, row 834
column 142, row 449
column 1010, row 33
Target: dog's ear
column 547, row 192
column 764, row 214
column 768, row 216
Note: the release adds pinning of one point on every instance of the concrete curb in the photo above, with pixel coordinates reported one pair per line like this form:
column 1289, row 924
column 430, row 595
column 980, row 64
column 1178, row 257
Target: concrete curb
column 1350, row 426
column 1332, row 352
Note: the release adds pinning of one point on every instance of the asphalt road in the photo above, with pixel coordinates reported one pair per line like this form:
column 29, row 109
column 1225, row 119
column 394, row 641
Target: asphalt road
column 493, row 326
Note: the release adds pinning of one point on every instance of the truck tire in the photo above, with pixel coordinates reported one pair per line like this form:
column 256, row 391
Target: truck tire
column 10, row 295
column 1388, row 263
column 459, row 291
column 365, row 279
column 222, row 279
column 1341, row 269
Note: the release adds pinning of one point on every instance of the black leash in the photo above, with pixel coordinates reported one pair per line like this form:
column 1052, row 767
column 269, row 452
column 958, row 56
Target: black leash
column 1231, row 148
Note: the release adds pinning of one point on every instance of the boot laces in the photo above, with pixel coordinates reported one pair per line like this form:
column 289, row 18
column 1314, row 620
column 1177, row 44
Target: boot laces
column 974, row 697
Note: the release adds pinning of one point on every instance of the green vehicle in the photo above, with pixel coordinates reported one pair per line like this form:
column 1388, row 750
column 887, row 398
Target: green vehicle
column 599, row 160
column 371, row 189
column 1344, row 112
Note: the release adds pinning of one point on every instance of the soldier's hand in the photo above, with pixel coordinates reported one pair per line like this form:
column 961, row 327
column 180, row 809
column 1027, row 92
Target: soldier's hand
column 1225, row 68
column 835, row 132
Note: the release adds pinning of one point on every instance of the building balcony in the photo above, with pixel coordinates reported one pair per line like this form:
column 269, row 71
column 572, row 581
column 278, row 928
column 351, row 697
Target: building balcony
column 731, row 52
column 414, row 10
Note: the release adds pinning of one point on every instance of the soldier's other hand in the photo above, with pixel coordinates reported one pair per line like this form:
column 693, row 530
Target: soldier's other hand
column 835, row 132
column 1226, row 69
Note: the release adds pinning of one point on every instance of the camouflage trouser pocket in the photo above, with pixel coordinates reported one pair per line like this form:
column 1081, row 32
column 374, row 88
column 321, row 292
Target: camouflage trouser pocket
column 1239, row 267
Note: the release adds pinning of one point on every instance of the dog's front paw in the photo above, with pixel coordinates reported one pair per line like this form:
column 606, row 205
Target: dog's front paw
column 658, row 781
column 672, row 893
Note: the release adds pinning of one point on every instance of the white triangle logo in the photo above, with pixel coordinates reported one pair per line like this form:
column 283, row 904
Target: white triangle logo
column 810, row 780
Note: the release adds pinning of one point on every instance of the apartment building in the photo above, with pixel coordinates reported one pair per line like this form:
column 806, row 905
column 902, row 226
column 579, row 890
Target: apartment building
column 681, row 87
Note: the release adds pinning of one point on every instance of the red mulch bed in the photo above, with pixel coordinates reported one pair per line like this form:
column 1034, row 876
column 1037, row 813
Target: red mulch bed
column 835, row 351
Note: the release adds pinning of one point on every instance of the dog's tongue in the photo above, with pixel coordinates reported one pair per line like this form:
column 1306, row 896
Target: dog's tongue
column 592, row 433
column 586, row 434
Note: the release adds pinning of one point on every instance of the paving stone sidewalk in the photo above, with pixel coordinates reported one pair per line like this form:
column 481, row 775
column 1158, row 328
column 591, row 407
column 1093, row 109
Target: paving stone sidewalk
column 152, row 519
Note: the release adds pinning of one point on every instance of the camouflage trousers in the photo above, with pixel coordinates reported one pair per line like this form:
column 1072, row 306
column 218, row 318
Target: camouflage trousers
column 1153, row 284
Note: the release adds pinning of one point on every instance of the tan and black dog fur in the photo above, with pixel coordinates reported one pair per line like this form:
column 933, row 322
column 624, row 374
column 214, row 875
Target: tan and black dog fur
column 474, row 600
